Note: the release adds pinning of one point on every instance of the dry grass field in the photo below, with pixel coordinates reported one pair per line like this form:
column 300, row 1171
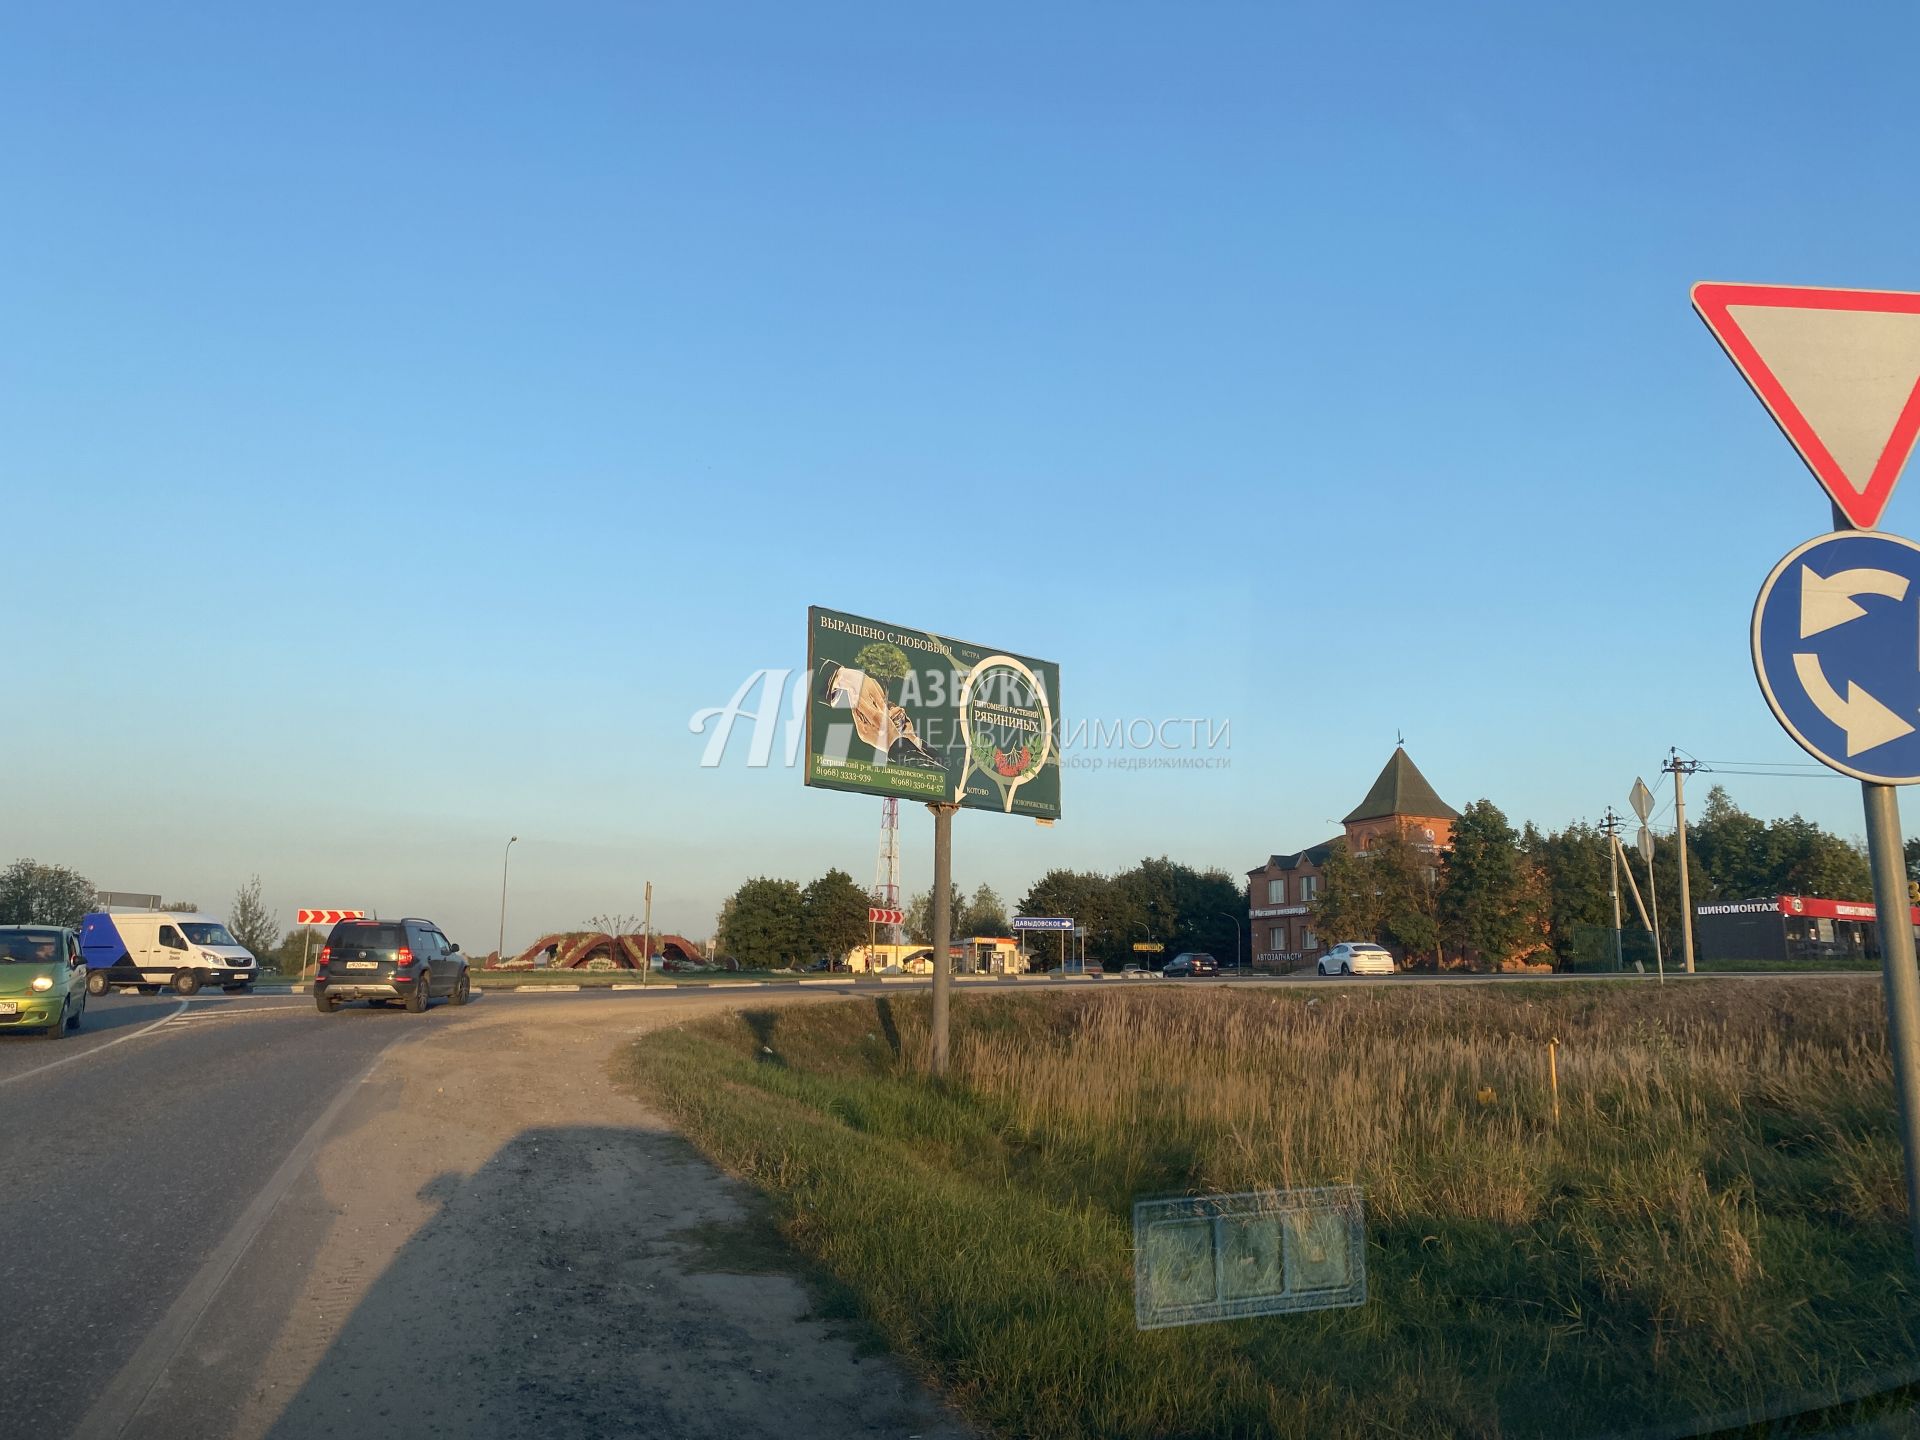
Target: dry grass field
column 1714, row 1226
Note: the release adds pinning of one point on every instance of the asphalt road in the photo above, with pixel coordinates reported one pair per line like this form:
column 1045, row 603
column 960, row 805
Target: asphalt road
column 129, row 1151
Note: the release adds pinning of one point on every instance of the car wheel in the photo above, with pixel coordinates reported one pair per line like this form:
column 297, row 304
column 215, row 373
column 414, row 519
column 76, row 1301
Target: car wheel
column 417, row 997
column 185, row 982
column 73, row 1020
column 97, row 982
column 58, row 1030
column 1345, row 968
column 461, row 989
column 324, row 1002
column 1321, row 967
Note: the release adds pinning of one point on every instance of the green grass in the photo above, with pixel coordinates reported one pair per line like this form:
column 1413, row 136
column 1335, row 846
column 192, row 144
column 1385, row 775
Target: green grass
column 1716, row 1224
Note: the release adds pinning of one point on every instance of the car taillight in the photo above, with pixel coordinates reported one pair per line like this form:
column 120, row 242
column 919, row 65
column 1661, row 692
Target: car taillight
column 326, row 953
column 403, row 957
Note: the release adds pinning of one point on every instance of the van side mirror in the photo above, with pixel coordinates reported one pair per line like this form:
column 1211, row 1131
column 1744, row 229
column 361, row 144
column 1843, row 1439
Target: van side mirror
column 453, row 947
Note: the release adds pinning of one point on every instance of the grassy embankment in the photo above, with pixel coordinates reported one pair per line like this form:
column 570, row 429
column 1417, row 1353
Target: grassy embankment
column 1716, row 1223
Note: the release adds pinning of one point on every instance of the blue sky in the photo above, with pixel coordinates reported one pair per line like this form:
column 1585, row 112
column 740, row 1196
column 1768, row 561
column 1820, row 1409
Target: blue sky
column 408, row 420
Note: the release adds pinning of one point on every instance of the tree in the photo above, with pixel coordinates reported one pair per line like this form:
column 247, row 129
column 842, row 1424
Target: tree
column 985, row 914
column 920, row 915
column 181, row 907
column 836, row 914
column 36, row 894
column 883, row 662
column 1389, row 896
column 1576, row 881
column 1347, row 906
column 765, row 924
column 251, row 922
column 1487, row 897
column 301, row 946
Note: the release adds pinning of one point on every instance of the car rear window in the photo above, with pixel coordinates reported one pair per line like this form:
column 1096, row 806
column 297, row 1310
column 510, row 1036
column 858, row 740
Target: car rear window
column 368, row 937
column 32, row 947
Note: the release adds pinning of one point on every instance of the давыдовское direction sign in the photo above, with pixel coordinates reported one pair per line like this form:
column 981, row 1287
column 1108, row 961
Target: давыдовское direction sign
column 1836, row 646
column 919, row 716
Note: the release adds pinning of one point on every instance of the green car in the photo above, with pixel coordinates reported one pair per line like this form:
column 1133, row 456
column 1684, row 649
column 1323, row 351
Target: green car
column 43, row 980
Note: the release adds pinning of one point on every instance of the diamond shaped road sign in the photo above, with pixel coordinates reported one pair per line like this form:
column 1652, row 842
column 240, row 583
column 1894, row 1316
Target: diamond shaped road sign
column 1839, row 371
column 1641, row 799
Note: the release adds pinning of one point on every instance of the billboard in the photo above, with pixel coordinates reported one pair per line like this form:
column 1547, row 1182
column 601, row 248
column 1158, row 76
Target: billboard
column 918, row 716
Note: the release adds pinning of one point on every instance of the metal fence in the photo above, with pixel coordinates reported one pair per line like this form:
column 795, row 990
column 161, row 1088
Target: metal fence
column 1593, row 950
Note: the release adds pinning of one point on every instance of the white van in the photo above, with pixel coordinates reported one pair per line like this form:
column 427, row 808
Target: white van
column 152, row 948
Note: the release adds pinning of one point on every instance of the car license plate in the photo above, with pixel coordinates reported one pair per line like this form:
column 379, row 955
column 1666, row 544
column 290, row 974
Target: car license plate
column 9, row 1007
column 363, row 964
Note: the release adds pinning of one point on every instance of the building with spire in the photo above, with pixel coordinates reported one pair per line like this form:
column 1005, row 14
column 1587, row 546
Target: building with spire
column 1280, row 893
column 1401, row 803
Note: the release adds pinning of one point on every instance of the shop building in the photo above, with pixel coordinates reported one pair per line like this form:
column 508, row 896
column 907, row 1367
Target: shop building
column 1790, row 927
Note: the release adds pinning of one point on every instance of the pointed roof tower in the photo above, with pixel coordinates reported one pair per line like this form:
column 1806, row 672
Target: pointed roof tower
column 1401, row 790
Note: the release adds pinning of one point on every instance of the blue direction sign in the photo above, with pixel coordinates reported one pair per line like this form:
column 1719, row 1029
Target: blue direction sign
column 1836, row 645
column 1043, row 922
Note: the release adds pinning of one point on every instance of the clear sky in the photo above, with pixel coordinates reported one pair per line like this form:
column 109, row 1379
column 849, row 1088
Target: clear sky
column 408, row 420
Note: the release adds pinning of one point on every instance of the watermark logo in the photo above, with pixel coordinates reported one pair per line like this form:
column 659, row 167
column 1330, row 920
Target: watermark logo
column 1004, row 727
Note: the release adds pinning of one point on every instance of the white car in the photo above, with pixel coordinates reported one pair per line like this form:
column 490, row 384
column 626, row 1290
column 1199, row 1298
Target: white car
column 1354, row 957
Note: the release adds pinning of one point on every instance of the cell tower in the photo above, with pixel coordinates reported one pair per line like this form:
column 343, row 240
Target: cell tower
column 886, row 869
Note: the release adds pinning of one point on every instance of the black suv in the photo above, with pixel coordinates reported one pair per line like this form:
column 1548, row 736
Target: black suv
column 381, row 961
column 1192, row 963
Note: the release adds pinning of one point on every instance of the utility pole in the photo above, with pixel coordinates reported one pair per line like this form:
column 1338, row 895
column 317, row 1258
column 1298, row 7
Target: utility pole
column 646, row 959
column 1610, row 827
column 1680, row 769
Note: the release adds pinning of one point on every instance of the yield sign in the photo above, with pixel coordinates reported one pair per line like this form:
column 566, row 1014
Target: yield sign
column 1839, row 370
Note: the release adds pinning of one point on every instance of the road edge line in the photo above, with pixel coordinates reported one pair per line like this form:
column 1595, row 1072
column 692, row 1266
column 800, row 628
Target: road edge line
column 174, row 1014
column 125, row 1395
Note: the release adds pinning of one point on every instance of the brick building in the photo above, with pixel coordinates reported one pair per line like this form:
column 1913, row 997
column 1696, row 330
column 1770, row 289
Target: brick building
column 1280, row 893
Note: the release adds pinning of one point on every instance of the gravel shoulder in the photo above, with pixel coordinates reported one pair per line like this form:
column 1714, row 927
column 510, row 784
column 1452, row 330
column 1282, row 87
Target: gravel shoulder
column 494, row 1239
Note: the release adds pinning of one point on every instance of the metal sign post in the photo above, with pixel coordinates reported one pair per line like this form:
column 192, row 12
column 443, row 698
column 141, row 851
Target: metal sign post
column 1833, row 628
column 1653, row 900
column 942, row 935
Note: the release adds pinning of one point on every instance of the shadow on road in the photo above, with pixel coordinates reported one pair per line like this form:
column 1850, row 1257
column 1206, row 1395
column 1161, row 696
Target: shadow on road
column 553, row 1293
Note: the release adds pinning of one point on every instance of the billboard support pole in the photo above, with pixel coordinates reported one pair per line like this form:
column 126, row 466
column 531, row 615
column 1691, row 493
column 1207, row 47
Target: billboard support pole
column 942, row 936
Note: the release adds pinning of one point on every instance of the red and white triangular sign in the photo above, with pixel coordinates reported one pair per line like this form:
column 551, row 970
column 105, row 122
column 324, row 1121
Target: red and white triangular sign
column 1840, row 372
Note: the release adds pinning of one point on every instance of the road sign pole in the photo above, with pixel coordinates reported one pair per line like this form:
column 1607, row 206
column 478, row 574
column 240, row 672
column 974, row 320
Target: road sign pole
column 1893, row 910
column 942, row 935
column 1653, row 900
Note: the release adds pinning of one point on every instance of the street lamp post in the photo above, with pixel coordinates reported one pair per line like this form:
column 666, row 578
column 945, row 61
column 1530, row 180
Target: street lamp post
column 500, row 950
column 1236, row 936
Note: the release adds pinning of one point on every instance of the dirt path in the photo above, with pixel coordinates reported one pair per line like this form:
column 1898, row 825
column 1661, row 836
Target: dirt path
column 493, row 1239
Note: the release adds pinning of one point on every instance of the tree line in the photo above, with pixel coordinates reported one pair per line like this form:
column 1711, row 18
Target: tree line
column 1155, row 903
column 1502, row 895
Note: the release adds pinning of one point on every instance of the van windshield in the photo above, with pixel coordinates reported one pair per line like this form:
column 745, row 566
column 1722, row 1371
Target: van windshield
column 201, row 933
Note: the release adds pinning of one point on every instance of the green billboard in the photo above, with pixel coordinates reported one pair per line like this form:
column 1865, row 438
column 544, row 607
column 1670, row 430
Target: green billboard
column 902, row 712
